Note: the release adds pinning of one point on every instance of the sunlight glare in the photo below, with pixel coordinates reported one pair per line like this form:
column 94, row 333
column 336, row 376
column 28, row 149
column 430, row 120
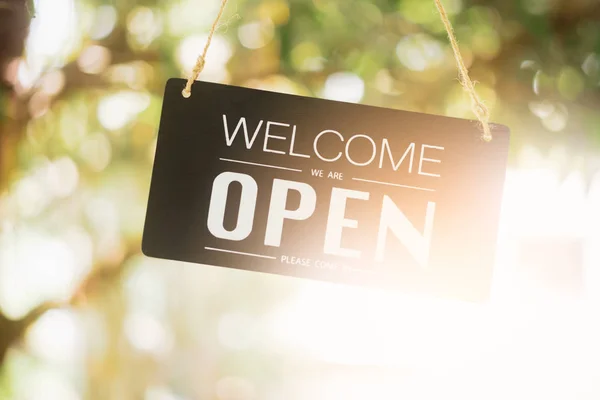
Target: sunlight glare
column 52, row 35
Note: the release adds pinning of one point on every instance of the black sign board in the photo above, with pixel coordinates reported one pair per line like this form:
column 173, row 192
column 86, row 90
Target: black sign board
column 326, row 190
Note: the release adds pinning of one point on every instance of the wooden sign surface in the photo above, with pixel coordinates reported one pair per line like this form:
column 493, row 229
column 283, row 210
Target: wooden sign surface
column 326, row 190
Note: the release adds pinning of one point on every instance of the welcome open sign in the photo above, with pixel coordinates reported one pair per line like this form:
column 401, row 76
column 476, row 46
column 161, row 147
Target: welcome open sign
column 333, row 191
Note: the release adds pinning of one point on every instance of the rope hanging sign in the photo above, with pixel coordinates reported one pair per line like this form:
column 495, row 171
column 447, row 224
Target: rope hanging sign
column 479, row 108
column 326, row 190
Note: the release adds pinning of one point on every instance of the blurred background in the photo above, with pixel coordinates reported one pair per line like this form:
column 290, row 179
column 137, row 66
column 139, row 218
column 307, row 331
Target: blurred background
column 84, row 315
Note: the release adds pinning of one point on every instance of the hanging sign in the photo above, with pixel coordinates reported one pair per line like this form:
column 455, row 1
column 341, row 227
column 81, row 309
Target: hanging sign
column 333, row 191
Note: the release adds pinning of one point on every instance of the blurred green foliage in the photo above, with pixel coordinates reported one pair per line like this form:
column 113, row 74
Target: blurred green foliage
column 77, row 132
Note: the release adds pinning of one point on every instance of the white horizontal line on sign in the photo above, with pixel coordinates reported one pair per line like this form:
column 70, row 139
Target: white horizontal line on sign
column 241, row 253
column 260, row 165
column 394, row 184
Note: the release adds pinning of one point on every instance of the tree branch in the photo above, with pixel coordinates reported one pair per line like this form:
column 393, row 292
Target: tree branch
column 101, row 276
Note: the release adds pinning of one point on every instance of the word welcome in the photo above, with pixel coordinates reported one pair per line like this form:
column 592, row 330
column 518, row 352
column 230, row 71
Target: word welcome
column 380, row 151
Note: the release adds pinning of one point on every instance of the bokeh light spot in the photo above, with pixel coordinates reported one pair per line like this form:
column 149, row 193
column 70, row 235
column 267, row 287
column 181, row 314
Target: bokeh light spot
column 96, row 151
column 117, row 110
column 419, row 52
column 570, row 83
column 145, row 25
column 53, row 82
column 257, row 34
column 147, row 334
column 104, row 22
column 57, row 336
column 306, row 56
column 94, row 59
column 344, row 86
column 62, row 177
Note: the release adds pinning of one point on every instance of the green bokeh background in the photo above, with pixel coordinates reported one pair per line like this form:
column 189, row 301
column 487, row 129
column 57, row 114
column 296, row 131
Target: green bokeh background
column 77, row 135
